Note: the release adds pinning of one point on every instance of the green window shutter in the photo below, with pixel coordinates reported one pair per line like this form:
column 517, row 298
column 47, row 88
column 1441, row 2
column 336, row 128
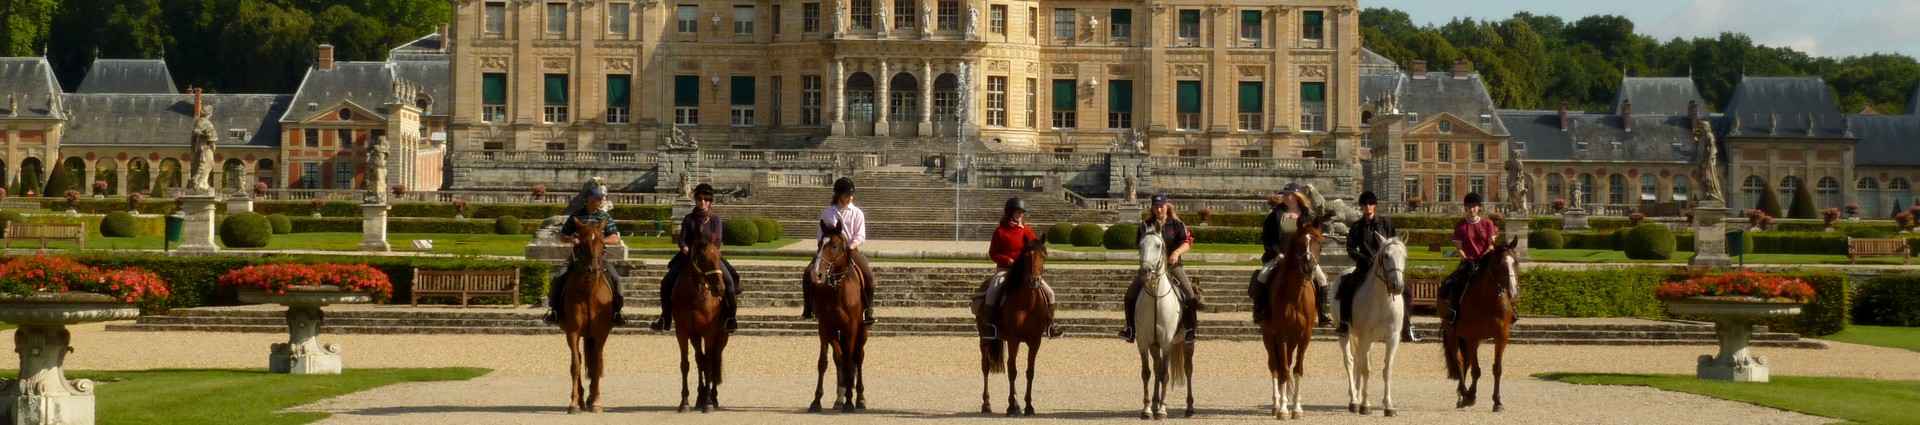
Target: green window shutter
column 1312, row 18
column 686, row 90
column 1122, row 17
column 742, row 93
column 1120, row 96
column 619, row 90
column 1313, row 92
column 1190, row 18
column 1250, row 97
column 1063, row 96
column 493, row 89
column 1249, row 18
column 557, row 89
column 1189, row 97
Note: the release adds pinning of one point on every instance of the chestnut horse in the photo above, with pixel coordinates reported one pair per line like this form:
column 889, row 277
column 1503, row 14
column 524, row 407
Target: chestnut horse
column 696, row 317
column 1486, row 312
column 1292, row 314
column 587, row 307
column 1026, row 312
column 834, row 290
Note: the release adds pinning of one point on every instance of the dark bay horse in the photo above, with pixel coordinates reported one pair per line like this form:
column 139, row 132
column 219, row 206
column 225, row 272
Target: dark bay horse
column 1293, row 314
column 696, row 317
column 834, row 290
column 1486, row 313
column 1026, row 312
column 587, row 306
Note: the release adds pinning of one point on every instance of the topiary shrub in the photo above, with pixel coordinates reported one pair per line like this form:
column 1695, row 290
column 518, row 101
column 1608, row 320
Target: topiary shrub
column 1061, row 233
column 1802, row 206
column 741, row 233
column 1769, row 200
column 1619, row 238
column 281, row 224
column 1122, row 236
column 1889, row 300
column 9, row 217
column 118, row 224
column 246, row 230
column 506, row 225
column 1087, row 235
column 769, row 229
column 1650, row 242
column 1546, row 239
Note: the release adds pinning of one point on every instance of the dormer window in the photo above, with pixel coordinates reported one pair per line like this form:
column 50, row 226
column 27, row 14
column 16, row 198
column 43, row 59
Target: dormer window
column 1446, row 126
column 1580, row 146
column 346, row 115
column 1486, row 120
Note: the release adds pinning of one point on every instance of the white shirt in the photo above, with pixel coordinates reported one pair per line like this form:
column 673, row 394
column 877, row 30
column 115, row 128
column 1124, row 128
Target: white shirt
column 853, row 224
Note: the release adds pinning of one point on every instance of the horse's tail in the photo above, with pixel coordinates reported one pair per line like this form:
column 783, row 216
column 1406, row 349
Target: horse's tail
column 993, row 360
column 1450, row 347
column 1178, row 364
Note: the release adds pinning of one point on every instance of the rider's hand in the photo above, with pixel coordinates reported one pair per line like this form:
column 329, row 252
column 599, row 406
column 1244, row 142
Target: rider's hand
column 683, row 249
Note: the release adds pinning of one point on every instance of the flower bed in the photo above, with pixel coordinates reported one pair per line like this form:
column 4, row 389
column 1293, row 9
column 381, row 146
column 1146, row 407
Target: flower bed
column 277, row 278
column 1741, row 286
column 23, row 276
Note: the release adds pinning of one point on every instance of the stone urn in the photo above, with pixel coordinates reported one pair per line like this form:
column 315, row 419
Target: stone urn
column 1733, row 319
column 43, row 395
column 303, row 353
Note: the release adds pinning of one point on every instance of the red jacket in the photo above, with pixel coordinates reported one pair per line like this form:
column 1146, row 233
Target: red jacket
column 1008, row 241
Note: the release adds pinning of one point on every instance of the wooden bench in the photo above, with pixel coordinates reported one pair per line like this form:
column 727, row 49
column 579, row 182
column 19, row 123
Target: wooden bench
column 467, row 284
column 1857, row 248
column 45, row 232
column 1424, row 292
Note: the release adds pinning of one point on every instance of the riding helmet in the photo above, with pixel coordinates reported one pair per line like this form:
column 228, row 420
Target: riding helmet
column 703, row 190
column 1159, row 199
column 1015, row 203
column 843, row 186
column 1473, row 199
column 1368, row 198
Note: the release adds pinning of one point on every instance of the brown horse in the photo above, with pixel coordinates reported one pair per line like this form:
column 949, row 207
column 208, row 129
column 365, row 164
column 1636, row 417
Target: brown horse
column 1292, row 315
column 587, row 304
column 1486, row 312
column 696, row 316
column 834, row 290
column 1026, row 312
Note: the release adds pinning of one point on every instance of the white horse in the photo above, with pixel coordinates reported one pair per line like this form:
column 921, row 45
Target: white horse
column 1377, row 313
column 1156, row 320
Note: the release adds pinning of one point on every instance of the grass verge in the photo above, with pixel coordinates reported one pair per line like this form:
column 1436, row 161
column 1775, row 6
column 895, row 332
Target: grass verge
column 1880, row 336
column 1851, row 399
column 206, row 396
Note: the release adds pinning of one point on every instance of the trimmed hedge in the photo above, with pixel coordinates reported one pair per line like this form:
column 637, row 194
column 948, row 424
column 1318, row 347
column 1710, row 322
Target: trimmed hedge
column 1122, row 236
column 1545, row 239
column 740, row 232
column 769, row 229
column 352, row 209
column 246, row 230
column 1649, row 242
column 9, row 217
column 1629, row 293
column 119, row 224
column 1225, row 235
column 1890, row 300
column 505, row 225
column 193, row 279
column 281, row 224
column 1087, row 235
column 1400, row 221
column 1060, row 233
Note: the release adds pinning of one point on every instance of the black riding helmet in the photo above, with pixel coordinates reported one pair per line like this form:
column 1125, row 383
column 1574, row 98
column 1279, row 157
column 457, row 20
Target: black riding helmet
column 843, row 186
column 1368, row 198
column 1015, row 203
column 703, row 190
column 1473, row 199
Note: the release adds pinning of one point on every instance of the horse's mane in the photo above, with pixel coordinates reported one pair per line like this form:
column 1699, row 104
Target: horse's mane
column 1018, row 273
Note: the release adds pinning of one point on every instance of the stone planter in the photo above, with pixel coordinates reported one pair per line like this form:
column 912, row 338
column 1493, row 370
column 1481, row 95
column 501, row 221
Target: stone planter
column 43, row 395
column 303, row 354
column 1733, row 319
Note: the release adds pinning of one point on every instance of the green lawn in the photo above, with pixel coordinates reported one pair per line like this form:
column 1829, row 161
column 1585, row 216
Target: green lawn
column 205, row 396
column 1881, row 336
column 5, row 326
column 449, row 243
column 1850, row 399
column 1203, row 248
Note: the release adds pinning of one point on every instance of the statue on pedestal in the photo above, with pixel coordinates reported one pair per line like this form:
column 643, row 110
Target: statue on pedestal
column 973, row 21
column 1518, row 194
column 205, row 136
column 679, row 139
column 1709, row 162
column 377, row 171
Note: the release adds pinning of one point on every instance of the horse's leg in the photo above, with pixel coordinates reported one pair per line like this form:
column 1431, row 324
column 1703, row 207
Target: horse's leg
column 1499, row 354
column 574, row 368
column 596, row 366
column 1473, row 361
column 860, row 374
column 702, row 402
column 1363, row 369
column 1146, row 384
column 986, row 376
column 843, row 359
column 1188, row 353
column 683, row 376
column 1386, row 373
column 1346, row 361
column 1033, row 362
column 1299, row 371
column 1459, row 384
column 821, row 380
column 1160, row 379
column 1285, row 374
column 718, row 349
column 1013, row 378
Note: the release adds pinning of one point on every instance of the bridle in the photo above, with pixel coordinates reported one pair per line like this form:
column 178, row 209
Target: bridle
column 717, row 274
column 830, row 274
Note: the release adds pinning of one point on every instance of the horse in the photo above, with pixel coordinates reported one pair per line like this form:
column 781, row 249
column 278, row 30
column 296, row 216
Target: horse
column 1163, row 356
column 587, row 303
column 1026, row 312
column 696, row 316
column 1377, row 313
column 1486, row 312
column 1292, row 314
column 835, row 294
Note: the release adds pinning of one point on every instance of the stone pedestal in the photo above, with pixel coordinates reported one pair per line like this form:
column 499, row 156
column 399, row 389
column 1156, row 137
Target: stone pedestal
column 1710, row 237
column 1733, row 323
column 43, row 395
column 303, row 353
column 197, row 234
column 1517, row 228
column 1573, row 219
column 239, row 204
column 373, row 227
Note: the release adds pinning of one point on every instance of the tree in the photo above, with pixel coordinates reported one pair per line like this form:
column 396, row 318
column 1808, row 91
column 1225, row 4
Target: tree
column 84, row 30
column 1769, row 201
column 24, row 26
column 1802, row 203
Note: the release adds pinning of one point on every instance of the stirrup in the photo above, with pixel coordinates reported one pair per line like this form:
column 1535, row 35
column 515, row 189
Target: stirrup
column 660, row 325
column 990, row 333
column 1053, row 331
column 1126, row 334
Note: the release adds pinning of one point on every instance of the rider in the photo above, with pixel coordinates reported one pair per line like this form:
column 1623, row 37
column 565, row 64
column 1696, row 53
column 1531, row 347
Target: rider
column 699, row 226
column 590, row 205
column 1473, row 237
column 1281, row 222
column 1178, row 242
column 1362, row 244
column 1009, row 240
column 853, row 225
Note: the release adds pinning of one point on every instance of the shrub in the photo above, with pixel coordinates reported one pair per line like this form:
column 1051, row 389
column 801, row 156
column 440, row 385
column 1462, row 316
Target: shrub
column 506, row 225
column 1559, row 204
column 260, row 189
column 119, row 224
column 1635, row 219
column 769, row 229
column 1650, row 241
column 1802, row 206
column 741, row 233
column 281, row 224
column 539, row 191
column 1603, row 293
column 1061, row 233
column 1773, row 288
column 30, row 274
column 99, row 186
column 1769, row 200
column 1225, row 235
column 1619, row 239
column 1206, row 214
column 316, row 204
column 9, row 217
column 1122, row 236
column 73, row 199
column 1087, row 235
column 277, row 278
column 1891, row 300
column 195, row 278
column 459, row 207
column 246, row 230
column 134, row 200
column 1829, row 216
column 1827, row 314
column 1546, row 239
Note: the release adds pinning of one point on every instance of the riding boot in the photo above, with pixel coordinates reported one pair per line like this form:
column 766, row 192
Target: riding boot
column 806, row 284
column 1349, row 285
column 1325, row 305
column 1257, row 290
column 1126, row 308
column 1190, row 324
column 730, row 310
column 1406, row 320
column 553, row 300
column 989, row 331
column 618, row 302
column 866, row 302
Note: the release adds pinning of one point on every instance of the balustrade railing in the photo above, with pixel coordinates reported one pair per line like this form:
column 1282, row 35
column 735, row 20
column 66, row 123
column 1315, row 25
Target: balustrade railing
column 619, row 157
column 1054, row 159
column 1212, row 163
column 473, row 197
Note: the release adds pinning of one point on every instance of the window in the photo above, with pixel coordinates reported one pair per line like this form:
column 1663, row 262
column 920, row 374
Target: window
column 311, row 137
column 1120, row 104
column 1189, row 153
column 342, row 174
column 810, row 99
column 1828, row 192
column 1189, row 32
column 345, row 137
column 1751, row 189
column 1313, row 107
column 686, row 100
column 1120, row 25
column 1065, row 104
column 1252, row 106
column 742, row 101
column 617, row 147
column 556, row 19
column 1556, row 185
column 1479, row 152
column 809, row 17
column 1033, row 103
column 1477, row 184
column 1446, row 152
column 1313, row 153
column 1787, row 185
column 773, row 90
column 556, row 146
column 1616, row 189
column 1446, row 127
column 493, row 97
column 862, row 14
column 556, row 99
column 1187, row 96
column 310, row 175
column 619, row 97
column 1649, row 188
column 949, row 15
column 997, row 19
column 619, row 19
column 743, row 20
column 906, row 14
column 1681, row 191
column 1252, row 153
column 1250, row 32
column 1033, row 22
column 1312, row 26
column 1063, row 24
column 1412, row 187
column 688, row 18
column 1411, row 152
column 997, row 101
column 776, row 19
column 1443, row 187
column 496, row 19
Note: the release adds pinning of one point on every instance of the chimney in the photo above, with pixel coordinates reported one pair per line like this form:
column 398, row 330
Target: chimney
column 445, row 38
column 1419, row 70
column 1564, row 123
column 1461, row 68
column 1626, row 114
column 323, row 57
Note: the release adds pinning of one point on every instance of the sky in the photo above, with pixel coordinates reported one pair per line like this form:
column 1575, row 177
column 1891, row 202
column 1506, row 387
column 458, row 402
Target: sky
column 1819, row 27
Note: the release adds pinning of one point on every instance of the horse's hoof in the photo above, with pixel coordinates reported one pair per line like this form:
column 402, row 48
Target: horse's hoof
column 1364, row 410
column 1497, row 408
column 860, row 405
column 1159, row 416
column 815, row 408
column 1461, row 405
column 572, row 410
column 1279, row 415
column 1029, row 411
column 846, row 409
column 838, row 404
column 598, row 409
column 1146, row 415
column 986, row 408
column 1296, row 415
column 682, row 409
column 706, row 409
column 1353, row 408
column 1390, row 413
column 1013, row 411
column 1189, row 412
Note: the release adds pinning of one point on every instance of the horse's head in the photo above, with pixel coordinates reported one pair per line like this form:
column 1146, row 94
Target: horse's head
column 589, row 240
column 1306, row 241
column 1033, row 260
column 1153, row 250
column 1501, row 266
column 835, row 255
column 1390, row 263
column 707, row 267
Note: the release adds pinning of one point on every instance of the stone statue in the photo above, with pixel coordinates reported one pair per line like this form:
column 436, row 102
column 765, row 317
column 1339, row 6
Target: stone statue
column 973, row 21
column 1132, row 195
column 679, row 139
column 1573, row 202
column 1709, row 161
column 686, row 185
column 927, row 25
column 205, row 136
column 377, row 171
column 880, row 18
column 13, row 106
column 1134, row 142
column 1518, row 194
column 840, row 16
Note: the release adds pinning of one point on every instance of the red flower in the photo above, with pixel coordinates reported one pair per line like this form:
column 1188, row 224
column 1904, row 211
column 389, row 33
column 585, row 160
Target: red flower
column 1738, row 284
column 24, row 276
column 276, row 278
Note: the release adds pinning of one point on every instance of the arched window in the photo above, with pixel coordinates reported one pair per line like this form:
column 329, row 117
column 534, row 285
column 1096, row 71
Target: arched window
column 1901, row 193
column 1787, row 185
column 1616, row 189
column 1750, row 190
column 1586, row 189
column 1649, row 188
column 1828, row 191
column 1681, row 190
column 1556, row 186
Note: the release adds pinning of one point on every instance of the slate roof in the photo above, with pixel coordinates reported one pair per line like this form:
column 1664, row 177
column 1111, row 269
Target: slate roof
column 30, row 80
column 368, row 84
column 435, row 78
column 1653, row 137
column 429, row 47
column 1440, row 92
column 166, row 119
column 1783, row 107
column 129, row 76
column 1374, row 64
column 1886, row 139
column 1658, row 96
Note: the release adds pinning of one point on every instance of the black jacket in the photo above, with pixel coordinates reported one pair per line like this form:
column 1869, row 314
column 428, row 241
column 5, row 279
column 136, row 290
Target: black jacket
column 1272, row 236
column 1362, row 243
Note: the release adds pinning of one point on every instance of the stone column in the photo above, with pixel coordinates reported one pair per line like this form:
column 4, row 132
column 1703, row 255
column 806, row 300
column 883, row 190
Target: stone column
column 926, row 97
column 121, row 178
column 1517, row 227
column 373, row 227
column 880, row 125
column 1710, row 236
column 88, row 168
column 836, row 107
column 197, row 237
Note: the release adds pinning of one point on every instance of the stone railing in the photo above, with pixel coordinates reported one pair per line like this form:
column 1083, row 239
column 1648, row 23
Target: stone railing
column 1278, row 164
column 1075, row 160
column 729, row 158
column 1030, row 183
column 475, row 197
column 571, row 157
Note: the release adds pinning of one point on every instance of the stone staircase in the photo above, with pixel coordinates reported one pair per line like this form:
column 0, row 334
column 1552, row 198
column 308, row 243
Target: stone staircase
column 908, row 203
